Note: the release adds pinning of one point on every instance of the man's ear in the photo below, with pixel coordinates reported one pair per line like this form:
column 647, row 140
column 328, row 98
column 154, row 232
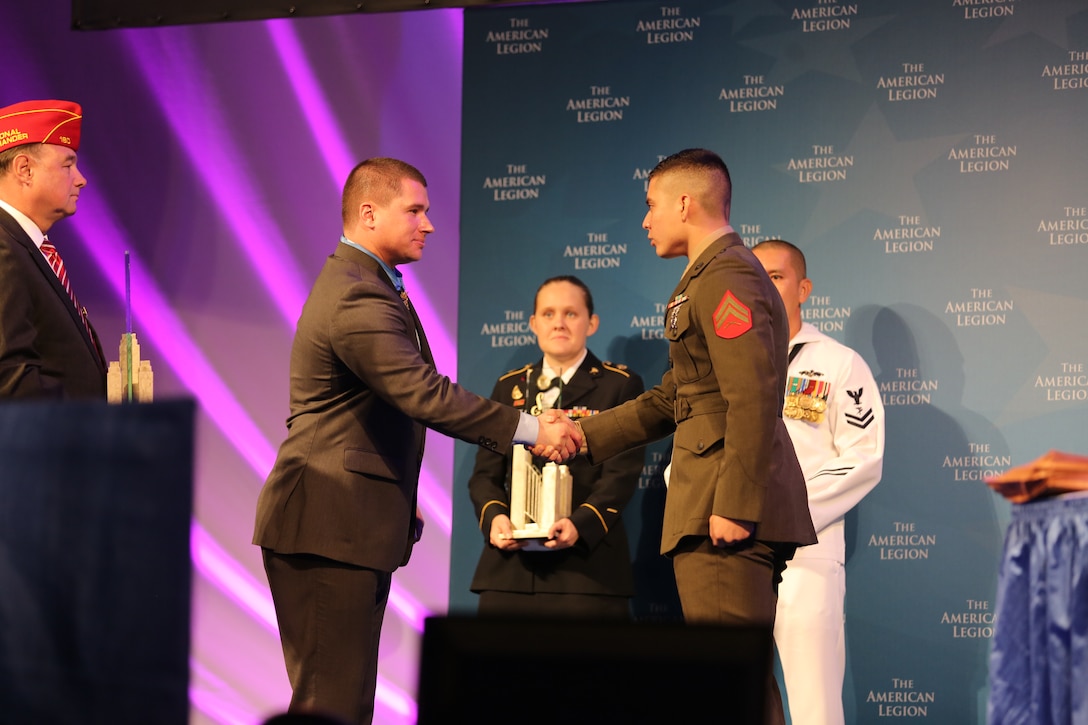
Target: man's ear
column 366, row 214
column 22, row 168
column 805, row 290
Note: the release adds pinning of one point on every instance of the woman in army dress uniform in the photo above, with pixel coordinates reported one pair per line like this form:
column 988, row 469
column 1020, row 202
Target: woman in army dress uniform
column 584, row 568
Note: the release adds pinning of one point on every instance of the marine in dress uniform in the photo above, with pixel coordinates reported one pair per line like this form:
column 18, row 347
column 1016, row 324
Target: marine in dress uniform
column 736, row 507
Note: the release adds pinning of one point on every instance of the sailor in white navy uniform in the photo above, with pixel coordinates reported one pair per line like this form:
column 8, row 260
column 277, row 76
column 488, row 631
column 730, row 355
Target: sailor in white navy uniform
column 835, row 419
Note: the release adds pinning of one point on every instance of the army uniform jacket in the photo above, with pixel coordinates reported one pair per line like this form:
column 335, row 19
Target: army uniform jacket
column 600, row 562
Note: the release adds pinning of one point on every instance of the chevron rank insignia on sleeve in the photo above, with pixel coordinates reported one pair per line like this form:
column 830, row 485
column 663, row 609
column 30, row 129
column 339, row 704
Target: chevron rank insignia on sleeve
column 733, row 318
column 861, row 420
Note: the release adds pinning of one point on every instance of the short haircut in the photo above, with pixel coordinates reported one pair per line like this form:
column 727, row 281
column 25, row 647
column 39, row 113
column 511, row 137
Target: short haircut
column 572, row 280
column 7, row 156
column 712, row 185
column 796, row 254
column 378, row 180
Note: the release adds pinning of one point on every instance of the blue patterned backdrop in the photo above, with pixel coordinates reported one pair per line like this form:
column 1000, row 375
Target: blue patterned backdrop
column 930, row 159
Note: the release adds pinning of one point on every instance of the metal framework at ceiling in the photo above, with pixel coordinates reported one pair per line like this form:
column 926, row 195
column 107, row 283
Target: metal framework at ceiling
column 113, row 14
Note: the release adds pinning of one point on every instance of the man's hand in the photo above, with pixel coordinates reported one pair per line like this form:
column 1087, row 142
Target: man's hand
column 727, row 532
column 502, row 534
column 559, row 438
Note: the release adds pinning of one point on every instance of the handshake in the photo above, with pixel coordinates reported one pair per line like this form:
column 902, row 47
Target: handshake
column 560, row 438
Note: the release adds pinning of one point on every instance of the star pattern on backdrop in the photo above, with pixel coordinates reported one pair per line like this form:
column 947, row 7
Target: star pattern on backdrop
column 829, row 52
column 744, row 12
column 1062, row 348
column 1048, row 20
column 872, row 185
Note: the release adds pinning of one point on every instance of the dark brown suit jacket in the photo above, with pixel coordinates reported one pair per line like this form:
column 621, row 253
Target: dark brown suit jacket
column 723, row 397
column 363, row 391
column 45, row 350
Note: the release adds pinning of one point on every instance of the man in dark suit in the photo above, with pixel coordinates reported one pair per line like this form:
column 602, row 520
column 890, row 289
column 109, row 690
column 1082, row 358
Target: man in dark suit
column 585, row 567
column 48, row 348
column 338, row 512
column 737, row 504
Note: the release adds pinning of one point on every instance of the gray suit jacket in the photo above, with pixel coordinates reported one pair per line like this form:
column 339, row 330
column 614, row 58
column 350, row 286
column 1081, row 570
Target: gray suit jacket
column 363, row 391
column 45, row 350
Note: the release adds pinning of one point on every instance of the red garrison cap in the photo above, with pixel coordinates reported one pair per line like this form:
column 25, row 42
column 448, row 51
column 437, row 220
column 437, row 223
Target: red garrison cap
column 55, row 122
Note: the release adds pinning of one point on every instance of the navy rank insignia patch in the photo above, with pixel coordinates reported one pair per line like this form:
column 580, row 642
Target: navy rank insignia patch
column 858, row 419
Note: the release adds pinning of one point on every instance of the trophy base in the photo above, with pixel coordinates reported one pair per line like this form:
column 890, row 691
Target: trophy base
column 534, row 538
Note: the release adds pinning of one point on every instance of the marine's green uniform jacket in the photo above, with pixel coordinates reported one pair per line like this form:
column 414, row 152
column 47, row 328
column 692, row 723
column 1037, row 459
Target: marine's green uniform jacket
column 722, row 396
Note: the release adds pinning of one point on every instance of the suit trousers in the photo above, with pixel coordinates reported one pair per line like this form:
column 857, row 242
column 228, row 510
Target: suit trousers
column 330, row 618
column 735, row 585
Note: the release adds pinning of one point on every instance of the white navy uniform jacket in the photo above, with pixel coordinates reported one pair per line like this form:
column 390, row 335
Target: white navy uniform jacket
column 841, row 453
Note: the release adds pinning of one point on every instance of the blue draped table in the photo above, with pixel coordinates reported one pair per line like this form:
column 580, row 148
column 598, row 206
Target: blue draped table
column 95, row 513
column 1039, row 657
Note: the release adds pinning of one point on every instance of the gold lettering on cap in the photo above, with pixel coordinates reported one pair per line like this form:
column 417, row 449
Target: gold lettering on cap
column 12, row 135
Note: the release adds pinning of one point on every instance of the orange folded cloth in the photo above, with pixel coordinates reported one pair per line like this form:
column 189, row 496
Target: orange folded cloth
column 1048, row 475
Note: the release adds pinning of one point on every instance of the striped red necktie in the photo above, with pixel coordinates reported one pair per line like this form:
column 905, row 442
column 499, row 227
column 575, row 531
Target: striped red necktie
column 53, row 257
